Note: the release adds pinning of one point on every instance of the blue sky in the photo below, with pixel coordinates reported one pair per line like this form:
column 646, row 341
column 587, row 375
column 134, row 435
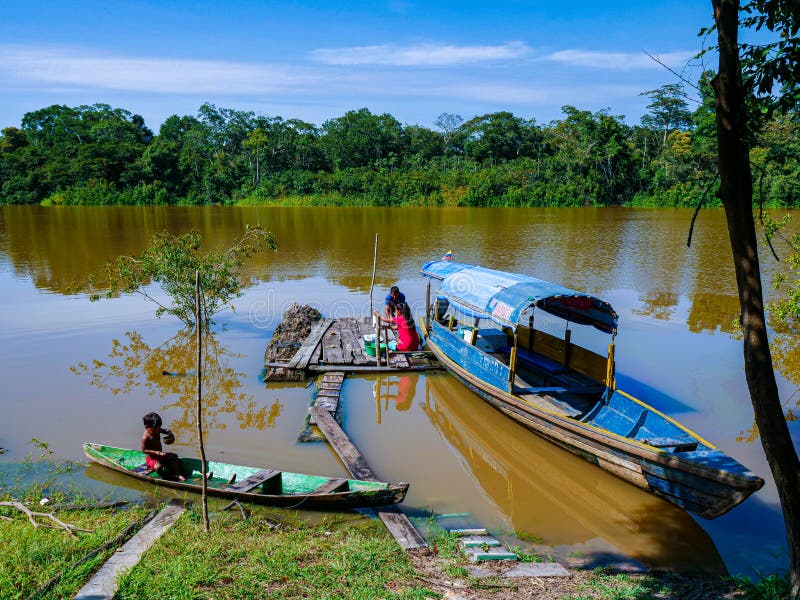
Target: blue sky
column 316, row 60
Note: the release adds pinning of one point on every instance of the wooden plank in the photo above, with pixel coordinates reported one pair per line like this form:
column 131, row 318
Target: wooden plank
column 264, row 476
column 103, row 585
column 332, row 346
column 589, row 363
column 316, row 356
column 395, row 521
column 329, row 404
column 333, row 377
column 303, row 355
column 401, row 528
column 354, row 345
column 329, row 393
column 348, row 342
column 331, row 385
column 332, row 486
column 355, row 463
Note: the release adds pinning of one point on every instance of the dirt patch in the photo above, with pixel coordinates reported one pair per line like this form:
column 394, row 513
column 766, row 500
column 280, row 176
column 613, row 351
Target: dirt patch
column 289, row 335
column 432, row 571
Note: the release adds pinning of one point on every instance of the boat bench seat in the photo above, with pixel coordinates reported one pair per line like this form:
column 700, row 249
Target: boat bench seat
column 549, row 403
column 553, row 367
column 540, row 390
column 266, row 477
column 677, row 444
column 332, row 486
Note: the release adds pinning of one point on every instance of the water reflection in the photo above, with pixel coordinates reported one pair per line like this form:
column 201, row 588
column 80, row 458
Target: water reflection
column 785, row 348
column 168, row 371
column 560, row 498
column 399, row 389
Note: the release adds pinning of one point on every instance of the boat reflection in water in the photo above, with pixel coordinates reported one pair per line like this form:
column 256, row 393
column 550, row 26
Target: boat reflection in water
column 546, row 492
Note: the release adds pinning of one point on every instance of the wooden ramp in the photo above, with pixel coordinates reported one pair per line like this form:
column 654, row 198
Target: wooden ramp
column 338, row 345
column 395, row 521
column 104, row 584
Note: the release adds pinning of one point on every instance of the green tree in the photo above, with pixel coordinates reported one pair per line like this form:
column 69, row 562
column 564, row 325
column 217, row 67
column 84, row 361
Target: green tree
column 668, row 109
column 359, row 138
column 498, row 136
column 255, row 144
column 450, row 125
column 172, row 261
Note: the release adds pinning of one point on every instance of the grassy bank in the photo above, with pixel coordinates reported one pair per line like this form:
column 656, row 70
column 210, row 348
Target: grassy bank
column 283, row 554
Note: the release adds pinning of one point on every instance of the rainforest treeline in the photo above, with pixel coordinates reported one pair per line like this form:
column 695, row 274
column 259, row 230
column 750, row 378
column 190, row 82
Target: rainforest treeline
column 103, row 155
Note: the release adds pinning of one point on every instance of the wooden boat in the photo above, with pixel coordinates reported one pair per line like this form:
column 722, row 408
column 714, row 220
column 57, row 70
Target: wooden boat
column 567, row 393
column 570, row 504
column 252, row 484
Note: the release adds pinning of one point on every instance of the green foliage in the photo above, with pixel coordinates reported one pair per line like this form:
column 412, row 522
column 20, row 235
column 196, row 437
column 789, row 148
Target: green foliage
column 771, row 587
column 172, row 262
column 786, row 310
column 104, row 156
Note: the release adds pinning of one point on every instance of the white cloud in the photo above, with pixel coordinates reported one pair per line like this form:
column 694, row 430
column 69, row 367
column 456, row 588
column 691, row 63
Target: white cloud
column 156, row 75
column 620, row 61
column 419, row 55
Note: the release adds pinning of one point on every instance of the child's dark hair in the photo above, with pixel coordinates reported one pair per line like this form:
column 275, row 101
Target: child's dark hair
column 405, row 310
column 152, row 420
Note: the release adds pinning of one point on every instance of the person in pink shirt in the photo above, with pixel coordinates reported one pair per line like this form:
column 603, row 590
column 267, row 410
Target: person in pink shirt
column 407, row 336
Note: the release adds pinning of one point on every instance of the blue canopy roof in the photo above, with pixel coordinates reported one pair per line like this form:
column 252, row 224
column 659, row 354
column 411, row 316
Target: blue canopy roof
column 502, row 297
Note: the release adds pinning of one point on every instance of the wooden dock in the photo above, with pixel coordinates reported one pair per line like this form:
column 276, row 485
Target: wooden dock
column 338, row 345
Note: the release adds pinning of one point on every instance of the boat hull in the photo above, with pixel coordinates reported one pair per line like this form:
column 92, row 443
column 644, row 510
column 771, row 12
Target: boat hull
column 360, row 494
column 707, row 492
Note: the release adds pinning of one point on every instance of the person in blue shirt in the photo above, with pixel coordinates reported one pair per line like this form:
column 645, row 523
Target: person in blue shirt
column 393, row 298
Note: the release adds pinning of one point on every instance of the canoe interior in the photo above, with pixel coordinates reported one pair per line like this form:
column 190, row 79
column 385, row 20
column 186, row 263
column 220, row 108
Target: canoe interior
column 222, row 473
column 548, row 383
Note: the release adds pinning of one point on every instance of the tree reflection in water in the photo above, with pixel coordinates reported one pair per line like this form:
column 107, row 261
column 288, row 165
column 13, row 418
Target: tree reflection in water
column 785, row 350
column 168, row 371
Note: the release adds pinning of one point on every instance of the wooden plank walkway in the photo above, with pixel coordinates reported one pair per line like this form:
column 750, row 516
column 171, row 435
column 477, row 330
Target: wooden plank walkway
column 329, row 393
column 395, row 521
column 104, row 584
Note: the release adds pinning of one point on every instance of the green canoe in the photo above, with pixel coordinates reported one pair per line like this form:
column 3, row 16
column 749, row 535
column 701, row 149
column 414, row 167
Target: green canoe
column 253, row 484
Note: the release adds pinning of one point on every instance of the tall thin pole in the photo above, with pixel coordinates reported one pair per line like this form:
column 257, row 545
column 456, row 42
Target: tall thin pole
column 374, row 267
column 199, row 325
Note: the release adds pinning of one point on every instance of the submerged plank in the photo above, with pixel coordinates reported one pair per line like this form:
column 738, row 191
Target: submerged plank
column 103, row 585
column 353, row 460
column 395, row 521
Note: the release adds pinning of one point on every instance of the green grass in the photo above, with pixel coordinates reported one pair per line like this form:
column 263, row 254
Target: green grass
column 247, row 559
column 31, row 556
column 620, row 586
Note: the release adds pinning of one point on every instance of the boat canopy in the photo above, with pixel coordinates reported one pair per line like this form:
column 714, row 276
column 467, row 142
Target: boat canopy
column 502, row 297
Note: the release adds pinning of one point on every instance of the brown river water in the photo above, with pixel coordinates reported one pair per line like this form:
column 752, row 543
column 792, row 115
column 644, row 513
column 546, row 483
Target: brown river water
column 75, row 371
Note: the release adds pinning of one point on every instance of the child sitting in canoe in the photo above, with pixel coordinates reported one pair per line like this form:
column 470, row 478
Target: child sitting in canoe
column 167, row 464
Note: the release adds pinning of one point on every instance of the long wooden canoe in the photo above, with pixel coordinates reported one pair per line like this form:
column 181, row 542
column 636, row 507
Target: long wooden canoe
column 567, row 393
column 258, row 485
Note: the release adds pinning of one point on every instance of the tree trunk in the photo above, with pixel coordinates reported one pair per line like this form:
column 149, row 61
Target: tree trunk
column 736, row 193
column 203, row 465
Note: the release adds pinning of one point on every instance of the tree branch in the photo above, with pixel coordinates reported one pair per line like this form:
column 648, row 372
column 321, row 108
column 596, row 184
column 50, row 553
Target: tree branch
column 70, row 529
column 697, row 209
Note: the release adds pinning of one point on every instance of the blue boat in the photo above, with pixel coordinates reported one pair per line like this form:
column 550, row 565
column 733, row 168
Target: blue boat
column 482, row 326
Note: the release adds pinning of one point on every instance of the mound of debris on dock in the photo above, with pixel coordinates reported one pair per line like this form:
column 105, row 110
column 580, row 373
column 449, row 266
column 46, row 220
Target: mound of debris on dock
column 288, row 337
